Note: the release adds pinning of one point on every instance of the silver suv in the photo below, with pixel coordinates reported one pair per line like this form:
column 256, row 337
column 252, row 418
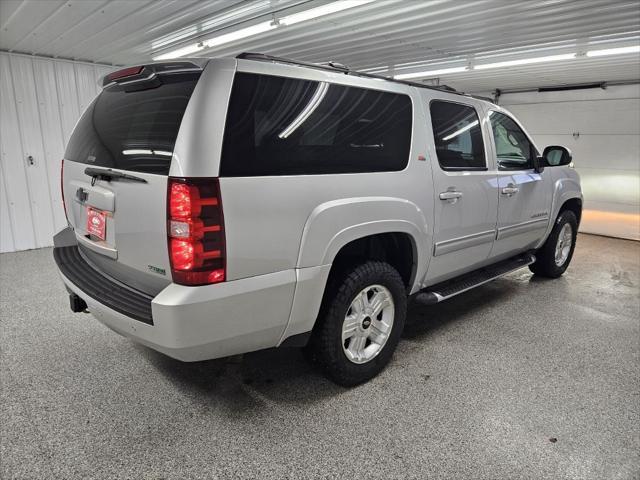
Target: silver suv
column 222, row 206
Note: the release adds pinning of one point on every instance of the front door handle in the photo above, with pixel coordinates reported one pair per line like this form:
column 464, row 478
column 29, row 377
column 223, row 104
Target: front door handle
column 510, row 190
column 451, row 196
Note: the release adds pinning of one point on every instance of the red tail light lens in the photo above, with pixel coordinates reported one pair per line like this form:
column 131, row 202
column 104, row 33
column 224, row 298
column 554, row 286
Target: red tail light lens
column 196, row 231
column 125, row 72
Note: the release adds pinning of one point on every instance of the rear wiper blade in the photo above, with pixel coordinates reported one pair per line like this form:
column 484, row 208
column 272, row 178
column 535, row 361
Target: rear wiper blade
column 108, row 174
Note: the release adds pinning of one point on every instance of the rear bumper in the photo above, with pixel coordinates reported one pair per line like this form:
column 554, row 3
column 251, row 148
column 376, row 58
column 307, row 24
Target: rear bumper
column 192, row 323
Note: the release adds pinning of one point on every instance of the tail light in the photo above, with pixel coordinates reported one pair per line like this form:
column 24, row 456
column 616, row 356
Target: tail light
column 196, row 231
column 64, row 205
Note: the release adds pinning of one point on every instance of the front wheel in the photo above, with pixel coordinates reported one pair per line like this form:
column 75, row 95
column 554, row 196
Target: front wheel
column 360, row 323
column 554, row 256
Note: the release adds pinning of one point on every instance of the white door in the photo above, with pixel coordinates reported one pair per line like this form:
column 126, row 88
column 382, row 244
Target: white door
column 465, row 191
column 524, row 195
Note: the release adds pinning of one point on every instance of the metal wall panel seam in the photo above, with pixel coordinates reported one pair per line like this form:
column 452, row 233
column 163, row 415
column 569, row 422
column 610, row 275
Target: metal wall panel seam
column 31, row 135
column 22, row 154
column 44, row 149
column 4, row 198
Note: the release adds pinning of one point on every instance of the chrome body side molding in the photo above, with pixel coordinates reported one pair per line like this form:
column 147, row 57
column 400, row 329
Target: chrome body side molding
column 459, row 243
column 511, row 230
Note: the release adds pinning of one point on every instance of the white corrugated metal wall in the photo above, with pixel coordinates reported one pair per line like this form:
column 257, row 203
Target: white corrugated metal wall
column 602, row 129
column 40, row 101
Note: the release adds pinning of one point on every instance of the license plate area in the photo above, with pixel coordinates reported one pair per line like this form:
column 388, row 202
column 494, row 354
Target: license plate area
column 96, row 223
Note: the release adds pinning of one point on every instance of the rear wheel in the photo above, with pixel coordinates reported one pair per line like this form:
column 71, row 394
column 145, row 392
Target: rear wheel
column 553, row 258
column 360, row 323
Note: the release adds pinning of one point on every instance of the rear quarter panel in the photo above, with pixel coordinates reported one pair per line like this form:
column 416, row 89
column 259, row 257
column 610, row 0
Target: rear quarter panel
column 266, row 216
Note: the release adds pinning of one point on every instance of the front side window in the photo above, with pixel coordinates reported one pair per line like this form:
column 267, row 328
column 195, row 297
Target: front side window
column 514, row 151
column 458, row 136
column 287, row 126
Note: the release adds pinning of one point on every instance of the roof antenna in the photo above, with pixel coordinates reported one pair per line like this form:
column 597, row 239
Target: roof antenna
column 336, row 65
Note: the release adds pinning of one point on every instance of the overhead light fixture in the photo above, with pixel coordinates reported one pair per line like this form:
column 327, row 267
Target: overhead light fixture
column 180, row 52
column 321, row 11
column 526, row 61
column 613, row 51
column 218, row 40
column 468, row 126
column 238, row 34
column 315, row 101
column 144, row 151
column 262, row 27
column 430, row 73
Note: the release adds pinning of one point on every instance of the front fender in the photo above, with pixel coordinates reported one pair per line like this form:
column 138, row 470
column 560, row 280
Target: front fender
column 564, row 188
column 332, row 225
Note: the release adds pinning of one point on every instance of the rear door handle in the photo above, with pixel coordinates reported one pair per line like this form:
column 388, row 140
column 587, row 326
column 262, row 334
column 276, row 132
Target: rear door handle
column 451, row 196
column 510, row 189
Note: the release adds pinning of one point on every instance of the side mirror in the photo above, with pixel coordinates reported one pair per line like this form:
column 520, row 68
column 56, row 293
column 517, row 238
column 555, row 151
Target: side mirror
column 556, row 155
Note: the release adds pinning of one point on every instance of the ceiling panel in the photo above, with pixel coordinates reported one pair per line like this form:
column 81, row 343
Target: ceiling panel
column 391, row 36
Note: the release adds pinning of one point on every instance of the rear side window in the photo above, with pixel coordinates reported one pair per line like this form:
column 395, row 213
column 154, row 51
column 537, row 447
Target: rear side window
column 286, row 126
column 458, row 136
column 133, row 130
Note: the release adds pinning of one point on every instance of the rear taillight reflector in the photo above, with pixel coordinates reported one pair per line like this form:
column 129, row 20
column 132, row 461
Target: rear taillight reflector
column 195, row 228
column 187, row 228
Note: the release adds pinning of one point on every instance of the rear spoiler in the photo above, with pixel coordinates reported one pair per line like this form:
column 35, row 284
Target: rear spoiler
column 148, row 72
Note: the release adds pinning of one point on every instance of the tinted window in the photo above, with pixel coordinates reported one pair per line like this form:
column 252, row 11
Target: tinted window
column 513, row 148
column 133, row 130
column 458, row 136
column 285, row 126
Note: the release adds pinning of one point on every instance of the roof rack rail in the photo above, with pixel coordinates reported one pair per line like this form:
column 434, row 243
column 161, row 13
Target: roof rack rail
column 339, row 68
column 480, row 97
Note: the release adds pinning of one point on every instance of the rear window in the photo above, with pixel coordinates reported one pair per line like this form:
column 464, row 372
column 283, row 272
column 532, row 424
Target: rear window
column 286, row 126
column 133, row 130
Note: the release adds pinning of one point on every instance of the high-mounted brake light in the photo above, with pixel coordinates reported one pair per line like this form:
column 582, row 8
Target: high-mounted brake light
column 125, row 72
column 196, row 231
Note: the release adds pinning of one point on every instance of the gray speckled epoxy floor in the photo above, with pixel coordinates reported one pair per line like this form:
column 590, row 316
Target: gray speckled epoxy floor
column 478, row 388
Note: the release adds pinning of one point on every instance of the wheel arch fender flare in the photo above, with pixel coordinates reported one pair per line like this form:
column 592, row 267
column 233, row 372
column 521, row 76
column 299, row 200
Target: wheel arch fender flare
column 334, row 224
column 564, row 189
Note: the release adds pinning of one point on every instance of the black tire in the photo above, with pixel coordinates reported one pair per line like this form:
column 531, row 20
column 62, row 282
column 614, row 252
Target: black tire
column 545, row 264
column 325, row 348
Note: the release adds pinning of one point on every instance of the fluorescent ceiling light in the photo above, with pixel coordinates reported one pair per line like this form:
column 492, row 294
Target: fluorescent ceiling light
column 219, row 40
column 321, row 11
column 180, row 52
column 312, row 13
column 137, row 151
column 315, row 101
column 174, row 38
column 613, row 51
column 210, row 24
column 526, row 61
column 462, row 130
column 144, row 151
column 239, row 34
column 430, row 73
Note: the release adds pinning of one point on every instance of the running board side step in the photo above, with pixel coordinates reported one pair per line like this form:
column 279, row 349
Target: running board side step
column 450, row 288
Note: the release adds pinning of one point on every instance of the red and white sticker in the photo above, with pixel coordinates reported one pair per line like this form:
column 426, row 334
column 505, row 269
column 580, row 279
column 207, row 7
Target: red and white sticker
column 96, row 223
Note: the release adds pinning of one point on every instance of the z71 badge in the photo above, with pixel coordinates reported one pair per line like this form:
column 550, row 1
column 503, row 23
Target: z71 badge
column 158, row 270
